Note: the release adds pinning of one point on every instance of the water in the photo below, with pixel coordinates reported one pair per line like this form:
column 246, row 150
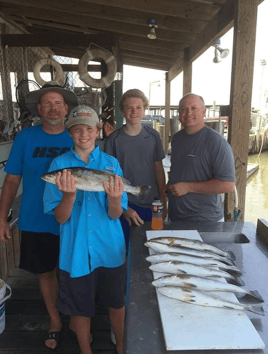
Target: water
column 257, row 190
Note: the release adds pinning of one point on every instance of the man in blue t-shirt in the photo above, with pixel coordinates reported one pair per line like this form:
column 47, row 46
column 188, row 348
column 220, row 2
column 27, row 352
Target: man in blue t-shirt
column 32, row 152
column 202, row 166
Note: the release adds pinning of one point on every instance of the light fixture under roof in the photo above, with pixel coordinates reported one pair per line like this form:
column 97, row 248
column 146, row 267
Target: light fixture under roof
column 153, row 25
column 219, row 52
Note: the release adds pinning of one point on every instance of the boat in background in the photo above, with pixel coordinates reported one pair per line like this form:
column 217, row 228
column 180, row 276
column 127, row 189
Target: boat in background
column 258, row 133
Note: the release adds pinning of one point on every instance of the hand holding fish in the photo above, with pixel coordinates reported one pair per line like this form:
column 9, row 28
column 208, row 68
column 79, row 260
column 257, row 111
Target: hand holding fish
column 115, row 189
column 179, row 189
column 66, row 183
column 114, row 193
column 130, row 215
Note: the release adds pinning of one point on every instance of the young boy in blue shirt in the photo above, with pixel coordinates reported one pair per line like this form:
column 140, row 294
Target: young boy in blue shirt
column 92, row 247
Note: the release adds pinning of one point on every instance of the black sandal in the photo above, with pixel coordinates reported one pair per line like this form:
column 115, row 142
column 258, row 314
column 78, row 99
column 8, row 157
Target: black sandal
column 55, row 336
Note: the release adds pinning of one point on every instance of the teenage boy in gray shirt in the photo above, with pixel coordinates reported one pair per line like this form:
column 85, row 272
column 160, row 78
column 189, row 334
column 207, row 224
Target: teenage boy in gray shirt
column 140, row 153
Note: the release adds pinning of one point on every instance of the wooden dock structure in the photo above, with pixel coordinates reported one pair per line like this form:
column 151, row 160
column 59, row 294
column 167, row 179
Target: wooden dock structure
column 27, row 322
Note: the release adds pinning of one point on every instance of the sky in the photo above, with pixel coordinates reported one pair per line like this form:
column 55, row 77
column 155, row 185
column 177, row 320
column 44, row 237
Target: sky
column 210, row 80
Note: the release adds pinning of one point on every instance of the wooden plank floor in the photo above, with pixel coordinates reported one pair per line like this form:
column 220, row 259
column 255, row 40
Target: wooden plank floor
column 27, row 322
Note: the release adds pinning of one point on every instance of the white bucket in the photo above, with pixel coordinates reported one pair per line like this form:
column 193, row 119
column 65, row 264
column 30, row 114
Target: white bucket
column 3, row 298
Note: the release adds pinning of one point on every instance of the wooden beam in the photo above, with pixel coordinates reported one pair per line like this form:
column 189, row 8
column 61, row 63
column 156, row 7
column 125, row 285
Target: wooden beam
column 42, row 40
column 144, row 49
column 154, row 64
column 32, row 8
column 178, row 8
column 152, row 43
column 74, row 67
column 167, row 114
column 158, row 57
column 144, row 65
column 222, row 22
column 45, row 18
column 19, row 28
column 241, row 93
column 187, row 73
column 148, row 58
column 176, row 69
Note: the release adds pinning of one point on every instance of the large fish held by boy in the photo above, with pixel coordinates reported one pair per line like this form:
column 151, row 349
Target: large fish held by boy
column 92, row 180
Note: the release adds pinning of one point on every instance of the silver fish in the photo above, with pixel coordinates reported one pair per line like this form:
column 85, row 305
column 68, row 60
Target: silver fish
column 201, row 298
column 190, row 269
column 163, row 248
column 205, row 262
column 188, row 243
column 92, row 180
column 203, row 284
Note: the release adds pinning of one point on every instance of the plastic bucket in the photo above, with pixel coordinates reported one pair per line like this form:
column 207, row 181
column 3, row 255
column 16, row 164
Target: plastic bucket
column 3, row 297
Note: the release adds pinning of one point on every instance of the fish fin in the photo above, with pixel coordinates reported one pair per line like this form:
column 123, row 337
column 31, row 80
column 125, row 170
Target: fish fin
column 256, row 309
column 232, row 270
column 144, row 191
column 256, row 295
column 239, row 281
column 189, row 285
column 227, row 261
column 231, row 255
column 236, row 281
column 181, row 272
column 228, row 307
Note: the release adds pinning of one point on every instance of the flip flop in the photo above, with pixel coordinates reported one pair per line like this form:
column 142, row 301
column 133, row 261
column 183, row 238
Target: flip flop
column 55, row 336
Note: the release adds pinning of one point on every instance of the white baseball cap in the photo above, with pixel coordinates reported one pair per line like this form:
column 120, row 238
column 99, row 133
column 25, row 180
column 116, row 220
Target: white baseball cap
column 82, row 115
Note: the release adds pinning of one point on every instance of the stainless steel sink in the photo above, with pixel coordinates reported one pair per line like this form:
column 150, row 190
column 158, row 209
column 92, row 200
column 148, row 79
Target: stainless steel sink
column 223, row 237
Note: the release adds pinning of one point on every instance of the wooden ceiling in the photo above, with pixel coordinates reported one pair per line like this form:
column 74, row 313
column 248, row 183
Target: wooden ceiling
column 68, row 26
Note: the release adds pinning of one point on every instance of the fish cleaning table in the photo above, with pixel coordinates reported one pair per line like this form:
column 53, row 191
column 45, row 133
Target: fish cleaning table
column 144, row 331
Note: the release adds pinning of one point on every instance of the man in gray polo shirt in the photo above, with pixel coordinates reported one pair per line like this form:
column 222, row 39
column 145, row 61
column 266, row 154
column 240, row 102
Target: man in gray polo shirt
column 202, row 166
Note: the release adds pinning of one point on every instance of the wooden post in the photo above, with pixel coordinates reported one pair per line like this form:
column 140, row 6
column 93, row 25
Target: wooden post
column 187, row 73
column 241, row 91
column 7, row 114
column 167, row 115
column 118, row 87
column 262, row 229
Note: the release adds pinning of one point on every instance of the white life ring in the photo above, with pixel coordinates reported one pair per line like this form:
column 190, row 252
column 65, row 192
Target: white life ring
column 47, row 61
column 97, row 54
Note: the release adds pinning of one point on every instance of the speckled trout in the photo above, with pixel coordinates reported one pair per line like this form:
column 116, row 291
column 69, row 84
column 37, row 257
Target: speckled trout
column 92, row 180
column 188, row 243
column 205, row 262
column 190, row 269
column 163, row 248
column 204, row 284
column 201, row 298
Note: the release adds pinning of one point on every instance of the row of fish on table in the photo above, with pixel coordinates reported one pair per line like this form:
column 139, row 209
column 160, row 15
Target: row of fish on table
column 196, row 271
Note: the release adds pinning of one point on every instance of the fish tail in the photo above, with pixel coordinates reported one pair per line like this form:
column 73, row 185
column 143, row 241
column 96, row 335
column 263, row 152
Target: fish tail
column 144, row 191
column 256, row 309
column 256, row 295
